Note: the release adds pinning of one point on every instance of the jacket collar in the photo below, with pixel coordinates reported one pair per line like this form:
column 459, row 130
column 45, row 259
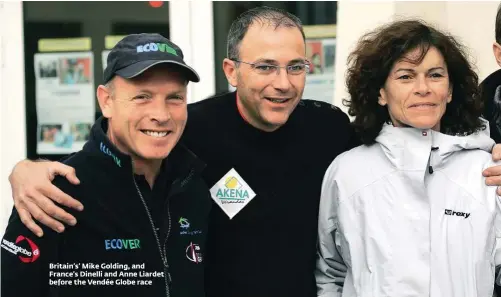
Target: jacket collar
column 410, row 148
column 180, row 158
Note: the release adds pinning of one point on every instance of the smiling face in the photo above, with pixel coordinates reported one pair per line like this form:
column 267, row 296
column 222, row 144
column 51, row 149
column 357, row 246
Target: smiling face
column 146, row 115
column 265, row 98
column 417, row 94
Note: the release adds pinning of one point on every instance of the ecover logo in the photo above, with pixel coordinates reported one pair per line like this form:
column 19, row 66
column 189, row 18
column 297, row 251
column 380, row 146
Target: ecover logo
column 155, row 47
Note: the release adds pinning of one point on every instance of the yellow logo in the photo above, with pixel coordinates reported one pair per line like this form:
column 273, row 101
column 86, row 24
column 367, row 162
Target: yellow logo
column 231, row 182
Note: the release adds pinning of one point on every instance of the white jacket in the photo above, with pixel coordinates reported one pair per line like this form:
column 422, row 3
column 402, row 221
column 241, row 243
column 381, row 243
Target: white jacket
column 394, row 229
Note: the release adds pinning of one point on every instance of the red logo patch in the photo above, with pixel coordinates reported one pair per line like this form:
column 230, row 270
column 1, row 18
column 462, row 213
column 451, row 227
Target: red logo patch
column 35, row 252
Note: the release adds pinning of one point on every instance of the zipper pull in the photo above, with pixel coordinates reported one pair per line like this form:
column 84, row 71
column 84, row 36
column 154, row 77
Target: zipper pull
column 430, row 168
column 170, row 278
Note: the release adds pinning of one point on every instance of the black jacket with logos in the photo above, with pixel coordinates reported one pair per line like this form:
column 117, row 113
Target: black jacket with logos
column 492, row 108
column 116, row 231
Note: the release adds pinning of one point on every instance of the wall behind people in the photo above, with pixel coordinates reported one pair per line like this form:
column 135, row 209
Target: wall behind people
column 12, row 107
column 471, row 22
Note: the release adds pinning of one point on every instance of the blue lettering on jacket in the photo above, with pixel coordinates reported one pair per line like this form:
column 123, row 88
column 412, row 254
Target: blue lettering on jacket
column 105, row 150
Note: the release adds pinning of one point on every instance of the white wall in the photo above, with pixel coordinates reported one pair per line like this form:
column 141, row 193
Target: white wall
column 471, row 22
column 192, row 28
column 12, row 107
column 353, row 20
column 477, row 32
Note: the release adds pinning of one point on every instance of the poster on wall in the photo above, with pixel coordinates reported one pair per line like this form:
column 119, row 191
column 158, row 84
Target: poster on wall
column 320, row 78
column 64, row 101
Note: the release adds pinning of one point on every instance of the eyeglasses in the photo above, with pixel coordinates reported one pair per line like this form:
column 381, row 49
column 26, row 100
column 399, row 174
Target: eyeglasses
column 267, row 69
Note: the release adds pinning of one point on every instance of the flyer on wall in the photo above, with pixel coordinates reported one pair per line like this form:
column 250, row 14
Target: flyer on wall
column 65, row 101
column 320, row 78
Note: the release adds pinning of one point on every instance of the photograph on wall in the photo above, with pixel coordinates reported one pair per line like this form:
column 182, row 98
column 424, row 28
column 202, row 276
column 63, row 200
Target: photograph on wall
column 65, row 101
column 314, row 54
column 74, row 71
column 48, row 69
column 320, row 79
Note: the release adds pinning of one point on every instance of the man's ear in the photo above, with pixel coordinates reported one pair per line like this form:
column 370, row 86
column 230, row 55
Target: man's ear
column 105, row 98
column 496, row 48
column 230, row 70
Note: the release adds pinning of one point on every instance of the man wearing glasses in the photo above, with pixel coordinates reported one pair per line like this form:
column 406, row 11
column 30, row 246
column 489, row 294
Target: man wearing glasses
column 280, row 146
column 266, row 152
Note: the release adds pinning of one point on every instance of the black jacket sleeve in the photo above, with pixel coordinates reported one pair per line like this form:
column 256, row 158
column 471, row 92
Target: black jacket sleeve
column 27, row 261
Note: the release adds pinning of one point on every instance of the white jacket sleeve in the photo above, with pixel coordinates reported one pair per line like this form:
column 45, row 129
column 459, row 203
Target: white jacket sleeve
column 497, row 256
column 330, row 269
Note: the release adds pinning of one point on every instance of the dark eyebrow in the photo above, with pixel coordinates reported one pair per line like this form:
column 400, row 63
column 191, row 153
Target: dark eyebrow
column 436, row 68
column 170, row 94
column 406, row 70
column 413, row 71
column 266, row 61
column 296, row 61
column 274, row 62
column 175, row 93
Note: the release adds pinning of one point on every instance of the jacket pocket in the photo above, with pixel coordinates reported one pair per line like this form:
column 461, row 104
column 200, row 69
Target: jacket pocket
column 484, row 275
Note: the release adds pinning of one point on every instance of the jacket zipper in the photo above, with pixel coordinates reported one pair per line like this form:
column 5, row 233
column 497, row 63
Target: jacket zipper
column 161, row 249
column 433, row 149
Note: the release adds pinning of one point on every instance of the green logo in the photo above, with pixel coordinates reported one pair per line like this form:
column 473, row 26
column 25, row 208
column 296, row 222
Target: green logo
column 155, row 47
column 183, row 222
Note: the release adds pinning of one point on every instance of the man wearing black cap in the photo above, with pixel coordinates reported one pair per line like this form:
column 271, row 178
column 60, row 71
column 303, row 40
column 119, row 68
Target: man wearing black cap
column 143, row 229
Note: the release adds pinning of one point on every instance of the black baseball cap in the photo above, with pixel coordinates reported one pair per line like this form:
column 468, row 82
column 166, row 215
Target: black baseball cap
column 136, row 53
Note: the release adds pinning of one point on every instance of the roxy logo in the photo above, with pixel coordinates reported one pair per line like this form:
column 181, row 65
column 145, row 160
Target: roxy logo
column 450, row 212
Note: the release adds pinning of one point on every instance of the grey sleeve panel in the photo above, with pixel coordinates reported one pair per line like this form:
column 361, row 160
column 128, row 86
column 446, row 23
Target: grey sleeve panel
column 497, row 225
column 330, row 269
column 497, row 255
column 498, row 276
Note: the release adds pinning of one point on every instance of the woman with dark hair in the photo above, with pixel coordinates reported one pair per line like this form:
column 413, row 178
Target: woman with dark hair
column 407, row 214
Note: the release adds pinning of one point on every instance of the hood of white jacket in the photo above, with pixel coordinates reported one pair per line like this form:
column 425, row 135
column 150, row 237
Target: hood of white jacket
column 407, row 147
